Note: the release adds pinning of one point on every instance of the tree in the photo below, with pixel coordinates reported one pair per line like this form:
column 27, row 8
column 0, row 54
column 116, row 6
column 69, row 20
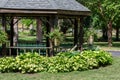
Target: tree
column 27, row 22
column 116, row 26
column 56, row 37
column 64, row 25
column 107, row 10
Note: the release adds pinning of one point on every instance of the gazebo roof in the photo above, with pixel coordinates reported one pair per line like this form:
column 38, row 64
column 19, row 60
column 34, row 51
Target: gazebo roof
column 67, row 7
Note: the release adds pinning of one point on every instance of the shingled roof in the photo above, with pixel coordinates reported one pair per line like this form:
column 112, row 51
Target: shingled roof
column 50, row 6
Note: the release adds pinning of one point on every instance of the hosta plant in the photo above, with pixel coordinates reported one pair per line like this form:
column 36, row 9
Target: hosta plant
column 62, row 62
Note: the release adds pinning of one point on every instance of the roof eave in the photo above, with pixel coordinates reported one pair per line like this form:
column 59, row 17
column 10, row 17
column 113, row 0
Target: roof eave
column 44, row 11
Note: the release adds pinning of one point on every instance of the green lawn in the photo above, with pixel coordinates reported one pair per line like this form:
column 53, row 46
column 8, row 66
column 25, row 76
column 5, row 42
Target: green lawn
column 104, row 46
column 111, row 72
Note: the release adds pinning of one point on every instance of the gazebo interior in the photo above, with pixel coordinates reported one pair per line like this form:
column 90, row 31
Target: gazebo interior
column 46, row 12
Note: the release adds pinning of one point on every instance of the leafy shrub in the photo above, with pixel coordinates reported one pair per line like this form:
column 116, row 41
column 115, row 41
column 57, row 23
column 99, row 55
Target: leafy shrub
column 103, row 58
column 62, row 62
column 3, row 37
column 29, row 62
column 7, row 64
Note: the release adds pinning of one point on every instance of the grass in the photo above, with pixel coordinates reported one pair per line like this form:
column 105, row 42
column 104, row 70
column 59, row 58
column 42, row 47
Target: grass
column 104, row 46
column 111, row 72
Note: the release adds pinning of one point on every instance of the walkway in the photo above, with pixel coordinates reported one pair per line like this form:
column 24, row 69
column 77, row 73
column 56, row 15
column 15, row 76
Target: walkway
column 115, row 53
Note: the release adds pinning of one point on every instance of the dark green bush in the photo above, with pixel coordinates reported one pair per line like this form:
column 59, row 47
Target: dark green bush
column 62, row 62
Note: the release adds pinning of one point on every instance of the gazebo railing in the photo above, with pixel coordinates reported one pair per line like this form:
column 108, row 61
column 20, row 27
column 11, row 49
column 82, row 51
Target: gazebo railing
column 31, row 49
column 31, row 45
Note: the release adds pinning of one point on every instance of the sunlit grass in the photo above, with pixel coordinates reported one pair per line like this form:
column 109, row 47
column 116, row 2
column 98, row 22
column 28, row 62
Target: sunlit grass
column 104, row 46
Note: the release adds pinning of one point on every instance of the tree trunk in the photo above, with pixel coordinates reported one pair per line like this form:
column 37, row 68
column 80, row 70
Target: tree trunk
column 117, row 34
column 104, row 35
column 109, row 33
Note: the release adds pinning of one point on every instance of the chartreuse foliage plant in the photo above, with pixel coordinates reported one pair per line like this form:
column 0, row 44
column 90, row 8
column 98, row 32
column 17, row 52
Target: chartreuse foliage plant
column 62, row 62
column 3, row 37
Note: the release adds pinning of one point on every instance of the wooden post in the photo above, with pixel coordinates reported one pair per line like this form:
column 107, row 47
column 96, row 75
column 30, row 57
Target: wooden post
column 4, row 29
column 76, row 32
column 39, row 30
column 15, row 28
column 50, row 28
column 13, row 35
column 47, row 38
column 51, row 24
column 11, row 32
column 81, row 33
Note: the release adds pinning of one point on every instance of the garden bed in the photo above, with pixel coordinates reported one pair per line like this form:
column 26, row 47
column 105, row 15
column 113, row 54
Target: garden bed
column 62, row 62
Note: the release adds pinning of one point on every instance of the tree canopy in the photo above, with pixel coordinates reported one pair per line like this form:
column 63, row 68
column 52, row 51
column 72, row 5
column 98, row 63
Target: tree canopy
column 104, row 13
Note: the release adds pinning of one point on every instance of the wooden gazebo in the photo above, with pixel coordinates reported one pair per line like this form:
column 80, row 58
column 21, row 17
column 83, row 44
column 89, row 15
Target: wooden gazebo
column 50, row 9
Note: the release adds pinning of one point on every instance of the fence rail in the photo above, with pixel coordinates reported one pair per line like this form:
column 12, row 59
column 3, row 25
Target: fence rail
column 29, row 48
